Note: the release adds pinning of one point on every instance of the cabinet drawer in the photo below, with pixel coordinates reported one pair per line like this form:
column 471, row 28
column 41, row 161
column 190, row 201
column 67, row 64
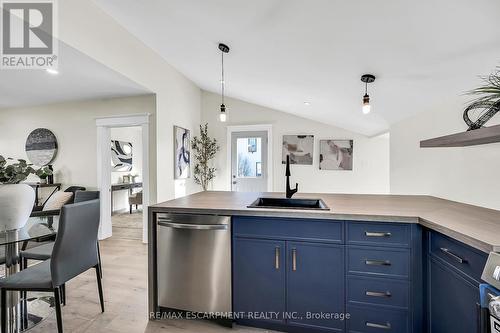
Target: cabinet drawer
column 289, row 228
column 466, row 259
column 378, row 291
column 383, row 234
column 371, row 320
column 378, row 261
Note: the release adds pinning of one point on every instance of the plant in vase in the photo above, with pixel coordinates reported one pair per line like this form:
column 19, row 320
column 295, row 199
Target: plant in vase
column 16, row 199
column 205, row 148
column 43, row 174
column 486, row 101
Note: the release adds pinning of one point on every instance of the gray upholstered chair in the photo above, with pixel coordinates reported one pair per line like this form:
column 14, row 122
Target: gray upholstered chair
column 74, row 252
column 43, row 252
column 135, row 199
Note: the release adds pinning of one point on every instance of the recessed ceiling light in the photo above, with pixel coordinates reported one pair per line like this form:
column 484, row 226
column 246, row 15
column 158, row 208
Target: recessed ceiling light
column 307, row 103
column 52, row 71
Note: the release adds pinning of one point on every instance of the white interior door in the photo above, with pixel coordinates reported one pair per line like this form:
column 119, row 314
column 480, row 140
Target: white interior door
column 249, row 161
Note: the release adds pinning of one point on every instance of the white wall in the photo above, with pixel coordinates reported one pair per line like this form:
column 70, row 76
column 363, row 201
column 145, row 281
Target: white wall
column 178, row 100
column 371, row 155
column 73, row 124
column 466, row 174
column 134, row 136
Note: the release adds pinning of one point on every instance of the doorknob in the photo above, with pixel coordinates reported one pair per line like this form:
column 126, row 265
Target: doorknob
column 235, row 182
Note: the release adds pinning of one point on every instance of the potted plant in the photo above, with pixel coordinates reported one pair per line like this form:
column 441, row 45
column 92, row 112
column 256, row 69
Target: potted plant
column 205, row 148
column 16, row 199
column 486, row 103
column 42, row 174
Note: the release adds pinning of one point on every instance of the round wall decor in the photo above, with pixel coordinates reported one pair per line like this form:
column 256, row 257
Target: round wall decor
column 41, row 147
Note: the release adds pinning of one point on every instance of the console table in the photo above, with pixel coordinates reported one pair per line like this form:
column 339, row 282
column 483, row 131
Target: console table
column 123, row 186
column 36, row 186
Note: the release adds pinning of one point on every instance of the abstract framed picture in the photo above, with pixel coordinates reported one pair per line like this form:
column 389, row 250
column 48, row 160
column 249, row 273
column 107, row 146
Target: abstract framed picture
column 335, row 154
column 121, row 156
column 299, row 147
column 182, row 153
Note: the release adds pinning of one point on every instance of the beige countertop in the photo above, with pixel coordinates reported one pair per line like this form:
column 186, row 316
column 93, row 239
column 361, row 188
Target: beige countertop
column 476, row 226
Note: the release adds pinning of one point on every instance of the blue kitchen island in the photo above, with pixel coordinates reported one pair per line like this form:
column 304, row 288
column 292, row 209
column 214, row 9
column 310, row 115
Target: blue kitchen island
column 369, row 264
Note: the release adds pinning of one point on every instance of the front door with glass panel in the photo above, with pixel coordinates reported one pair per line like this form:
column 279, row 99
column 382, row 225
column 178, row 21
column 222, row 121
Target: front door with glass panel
column 249, row 161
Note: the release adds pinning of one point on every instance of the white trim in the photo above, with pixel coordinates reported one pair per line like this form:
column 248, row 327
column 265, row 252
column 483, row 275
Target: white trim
column 104, row 126
column 253, row 128
column 123, row 120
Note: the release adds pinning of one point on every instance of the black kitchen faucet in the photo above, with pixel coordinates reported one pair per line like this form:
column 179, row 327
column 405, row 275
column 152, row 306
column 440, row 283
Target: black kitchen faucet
column 289, row 192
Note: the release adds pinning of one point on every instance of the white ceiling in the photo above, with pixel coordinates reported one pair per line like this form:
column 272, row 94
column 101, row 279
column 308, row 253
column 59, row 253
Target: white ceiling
column 80, row 78
column 285, row 52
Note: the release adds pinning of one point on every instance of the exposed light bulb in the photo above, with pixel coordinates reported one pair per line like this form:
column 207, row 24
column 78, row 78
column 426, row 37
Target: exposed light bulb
column 222, row 114
column 366, row 104
column 222, row 117
column 51, row 71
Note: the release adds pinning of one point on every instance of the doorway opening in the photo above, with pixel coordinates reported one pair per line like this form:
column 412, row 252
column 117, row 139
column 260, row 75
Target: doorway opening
column 123, row 175
column 250, row 158
column 126, row 182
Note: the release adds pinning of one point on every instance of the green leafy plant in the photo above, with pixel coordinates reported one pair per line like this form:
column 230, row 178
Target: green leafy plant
column 486, row 101
column 205, row 148
column 14, row 173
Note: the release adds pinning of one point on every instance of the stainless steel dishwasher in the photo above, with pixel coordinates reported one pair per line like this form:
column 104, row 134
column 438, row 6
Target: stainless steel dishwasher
column 194, row 262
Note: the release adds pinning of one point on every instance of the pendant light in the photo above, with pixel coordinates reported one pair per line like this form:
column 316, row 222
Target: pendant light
column 223, row 115
column 367, row 78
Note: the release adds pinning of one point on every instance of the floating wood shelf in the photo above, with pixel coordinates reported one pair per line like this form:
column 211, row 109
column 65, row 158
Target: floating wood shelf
column 470, row 138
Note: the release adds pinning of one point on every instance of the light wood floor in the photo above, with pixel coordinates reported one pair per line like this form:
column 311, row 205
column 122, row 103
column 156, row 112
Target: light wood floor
column 127, row 226
column 125, row 293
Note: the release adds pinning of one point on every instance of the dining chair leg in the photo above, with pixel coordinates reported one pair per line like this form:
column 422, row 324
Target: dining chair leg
column 99, row 285
column 99, row 258
column 24, row 307
column 24, row 263
column 57, row 296
column 4, row 310
column 63, row 294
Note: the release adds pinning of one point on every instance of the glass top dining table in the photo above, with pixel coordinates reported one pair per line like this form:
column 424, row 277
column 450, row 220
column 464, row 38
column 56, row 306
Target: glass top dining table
column 36, row 306
column 35, row 228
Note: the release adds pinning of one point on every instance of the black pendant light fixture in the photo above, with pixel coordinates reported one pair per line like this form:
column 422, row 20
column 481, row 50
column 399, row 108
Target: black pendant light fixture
column 367, row 78
column 223, row 115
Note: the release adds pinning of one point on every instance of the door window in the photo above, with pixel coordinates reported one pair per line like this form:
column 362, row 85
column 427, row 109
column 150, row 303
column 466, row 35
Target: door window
column 249, row 152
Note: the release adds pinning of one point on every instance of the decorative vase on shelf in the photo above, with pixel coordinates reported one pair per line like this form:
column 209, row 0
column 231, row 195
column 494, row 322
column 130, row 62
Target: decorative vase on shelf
column 16, row 204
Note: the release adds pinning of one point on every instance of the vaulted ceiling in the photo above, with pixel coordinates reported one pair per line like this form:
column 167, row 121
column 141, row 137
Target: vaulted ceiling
column 80, row 78
column 286, row 52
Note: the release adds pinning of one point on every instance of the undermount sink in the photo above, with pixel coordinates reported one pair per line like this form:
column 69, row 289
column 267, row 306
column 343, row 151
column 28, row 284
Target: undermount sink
column 284, row 203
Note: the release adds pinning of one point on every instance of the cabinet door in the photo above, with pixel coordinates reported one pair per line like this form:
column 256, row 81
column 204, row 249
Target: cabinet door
column 259, row 279
column 452, row 301
column 315, row 285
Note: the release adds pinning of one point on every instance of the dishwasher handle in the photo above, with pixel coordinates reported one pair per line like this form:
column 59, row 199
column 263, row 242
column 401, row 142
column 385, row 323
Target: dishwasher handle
column 168, row 224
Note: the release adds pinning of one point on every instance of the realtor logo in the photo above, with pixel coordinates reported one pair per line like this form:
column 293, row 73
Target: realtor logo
column 28, row 30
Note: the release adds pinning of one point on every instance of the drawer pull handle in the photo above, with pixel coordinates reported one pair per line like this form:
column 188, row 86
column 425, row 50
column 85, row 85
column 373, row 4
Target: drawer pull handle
column 378, row 294
column 377, row 234
column 453, row 255
column 294, row 259
column 386, row 326
column 277, row 257
column 377, row 262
